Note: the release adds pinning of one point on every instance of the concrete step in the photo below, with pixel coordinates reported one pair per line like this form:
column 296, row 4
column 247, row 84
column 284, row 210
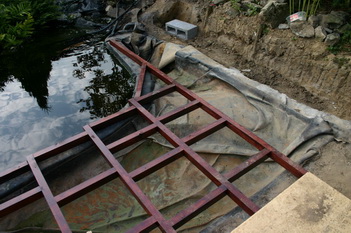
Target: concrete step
column 309, row 205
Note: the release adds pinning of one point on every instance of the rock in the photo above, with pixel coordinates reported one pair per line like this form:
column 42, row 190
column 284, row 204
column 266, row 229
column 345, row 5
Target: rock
column 218, row 1
column 112, row 11
column 332, row 39
column 333, row 20
column 263, row 2
column 319, row 51
column 248, row 4
column 320, row 33
column 132, row 15
column 274, row 13
column 86, row 6
column 73, row 8
column 108, row 8
column 74, row 16
column 341, row 14
column 147, row 3
column 232, row 12
column 313, row 20
column 82, row 23
column 92, row 5
column 111, row 3
column 345, row 28
column 328, row 30
column 302, row 29
column 283, row 26
column 250, row 8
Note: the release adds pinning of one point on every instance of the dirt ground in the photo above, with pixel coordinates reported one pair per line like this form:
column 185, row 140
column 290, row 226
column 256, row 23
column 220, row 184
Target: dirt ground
column 333, row 165
column 265, row 76
column 302, row 69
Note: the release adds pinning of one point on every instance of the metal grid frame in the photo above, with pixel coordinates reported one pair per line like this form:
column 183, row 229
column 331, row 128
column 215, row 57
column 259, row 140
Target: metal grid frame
column 181, row 148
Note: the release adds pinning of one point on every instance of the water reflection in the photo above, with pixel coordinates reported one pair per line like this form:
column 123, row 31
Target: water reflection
column 32, row 69
column 72, row 89
column 109, row 90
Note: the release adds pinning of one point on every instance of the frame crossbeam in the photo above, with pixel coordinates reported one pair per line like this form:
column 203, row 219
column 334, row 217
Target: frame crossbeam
column 156, row 125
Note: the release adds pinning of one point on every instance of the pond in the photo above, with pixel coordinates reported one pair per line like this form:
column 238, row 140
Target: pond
column 50, row 89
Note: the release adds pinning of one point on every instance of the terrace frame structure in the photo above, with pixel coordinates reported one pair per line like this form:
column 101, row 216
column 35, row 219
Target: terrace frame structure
column 181, row 148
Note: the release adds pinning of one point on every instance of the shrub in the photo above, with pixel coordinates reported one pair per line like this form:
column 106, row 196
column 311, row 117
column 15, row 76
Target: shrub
column 19, row 19
column 308, row 6
column 343, row 45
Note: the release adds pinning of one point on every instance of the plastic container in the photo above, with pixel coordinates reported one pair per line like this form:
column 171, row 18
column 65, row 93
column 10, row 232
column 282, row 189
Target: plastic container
column 298, row 16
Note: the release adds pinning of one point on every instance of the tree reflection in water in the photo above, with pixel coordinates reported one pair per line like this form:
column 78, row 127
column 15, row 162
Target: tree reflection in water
column 32, row 69
column 109, row 90
column 31, row 63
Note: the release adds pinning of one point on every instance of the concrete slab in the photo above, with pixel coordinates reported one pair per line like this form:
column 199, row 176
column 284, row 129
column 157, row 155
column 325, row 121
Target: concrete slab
column 309, row 205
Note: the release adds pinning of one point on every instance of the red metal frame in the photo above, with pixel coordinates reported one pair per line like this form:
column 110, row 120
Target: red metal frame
column 181, row 148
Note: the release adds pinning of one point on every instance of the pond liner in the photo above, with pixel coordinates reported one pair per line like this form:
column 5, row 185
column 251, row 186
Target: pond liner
column 222, row 181
column 188, row 58
column 26, row 181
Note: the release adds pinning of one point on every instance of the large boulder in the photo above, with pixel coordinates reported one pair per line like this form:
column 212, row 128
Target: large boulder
column 334, row 20
column 332, row 39
column 313, row 20
column 302, row 29
column 274, row 13
column 320, row 33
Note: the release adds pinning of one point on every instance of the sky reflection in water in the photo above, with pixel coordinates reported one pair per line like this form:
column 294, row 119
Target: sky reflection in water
column 83, row 85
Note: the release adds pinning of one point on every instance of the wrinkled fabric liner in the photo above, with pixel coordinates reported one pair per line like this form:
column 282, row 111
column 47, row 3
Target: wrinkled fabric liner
column 292, row 128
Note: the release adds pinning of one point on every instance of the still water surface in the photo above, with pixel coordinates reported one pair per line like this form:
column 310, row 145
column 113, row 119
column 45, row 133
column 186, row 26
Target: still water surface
column 48, row 94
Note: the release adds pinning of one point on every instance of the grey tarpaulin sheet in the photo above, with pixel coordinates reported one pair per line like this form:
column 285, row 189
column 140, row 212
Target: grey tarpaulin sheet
column 292, row 128
column 274, row 117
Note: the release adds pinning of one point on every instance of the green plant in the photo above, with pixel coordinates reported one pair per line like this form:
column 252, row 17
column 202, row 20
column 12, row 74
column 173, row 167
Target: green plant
column 236, row 5
column 265, row 30
column 341, row 61
column 248, row 8
column 308, row 6
column 253, row 10
column 44, row 11
column 20, row 18
column 16, row 24
column 341, row 3
column 343, row 45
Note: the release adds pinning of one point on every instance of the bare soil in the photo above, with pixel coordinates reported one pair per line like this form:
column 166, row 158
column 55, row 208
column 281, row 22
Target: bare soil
column 266, row 76
column 301, row 68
